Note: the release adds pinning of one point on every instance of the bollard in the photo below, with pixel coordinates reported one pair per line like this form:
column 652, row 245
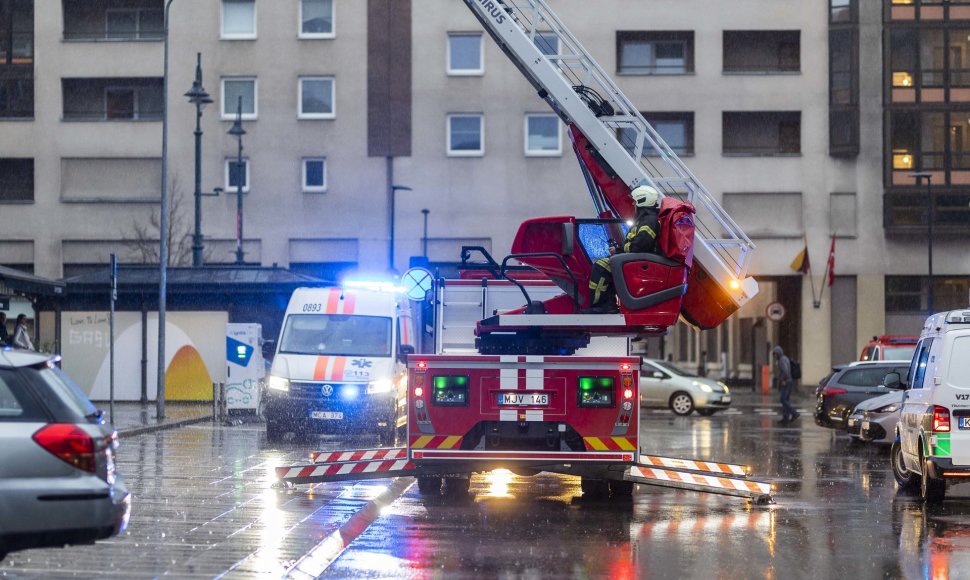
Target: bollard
column 223, row 403
column 215, row 400
column 765, row 380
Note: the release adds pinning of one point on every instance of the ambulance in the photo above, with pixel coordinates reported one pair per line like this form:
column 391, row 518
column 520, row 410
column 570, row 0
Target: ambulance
column 340, row 363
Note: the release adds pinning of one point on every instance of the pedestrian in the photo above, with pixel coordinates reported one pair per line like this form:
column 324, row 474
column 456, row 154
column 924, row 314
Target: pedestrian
column 4, row 335
column 641, row 238
column 21, row 337
column 702, row 365
column 785, row 384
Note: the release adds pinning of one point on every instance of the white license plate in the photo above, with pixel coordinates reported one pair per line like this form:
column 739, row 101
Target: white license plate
column 851, row 422
column 964, row 422
column 327, row 415
column 523, row 399
column 726, row 399
column 865, row 425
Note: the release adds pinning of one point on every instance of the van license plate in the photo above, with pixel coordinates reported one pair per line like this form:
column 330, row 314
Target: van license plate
column 964, row 422
column 327, row 415
column 523, row 399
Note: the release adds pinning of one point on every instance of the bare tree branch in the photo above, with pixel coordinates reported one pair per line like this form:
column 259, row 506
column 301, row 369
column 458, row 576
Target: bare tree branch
column 143, row 238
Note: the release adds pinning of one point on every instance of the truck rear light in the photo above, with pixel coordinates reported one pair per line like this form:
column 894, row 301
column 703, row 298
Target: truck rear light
column 419, row 379
column 832, row 391
column 941, row 419
column 596, row 391
column 628, row 393
column 70, row 444
column 418, row 391
column 627, row 381
column 421, row 364
column 624, row 367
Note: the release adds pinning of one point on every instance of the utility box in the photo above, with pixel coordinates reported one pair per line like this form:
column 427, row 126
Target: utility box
column 245, row 369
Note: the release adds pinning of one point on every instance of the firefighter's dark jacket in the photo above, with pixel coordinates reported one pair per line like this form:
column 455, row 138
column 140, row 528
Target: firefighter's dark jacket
column 642, row 237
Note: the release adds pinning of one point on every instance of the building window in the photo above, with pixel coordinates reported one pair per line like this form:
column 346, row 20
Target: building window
column 761, row 133
column 16, row 58
column 238, row 19
column 232, row 90
column 316, row 19
column 543, row 137
column 133, row 24
column 16, row 180
column 675, row 128
column 17, row 97
column 547, row 43
column 236, row 172
column 316, row 98
column 103, row 99
column 911, row 293
column 843, row 11
column 655, row 53
column 762, row 51
column 466, row 135
column 465, row 54
column 315, row 174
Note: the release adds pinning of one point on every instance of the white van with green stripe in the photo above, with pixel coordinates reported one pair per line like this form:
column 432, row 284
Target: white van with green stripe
column 932, row 446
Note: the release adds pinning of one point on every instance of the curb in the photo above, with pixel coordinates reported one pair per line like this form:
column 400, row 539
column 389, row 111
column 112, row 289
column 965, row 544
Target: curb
column 133, row 431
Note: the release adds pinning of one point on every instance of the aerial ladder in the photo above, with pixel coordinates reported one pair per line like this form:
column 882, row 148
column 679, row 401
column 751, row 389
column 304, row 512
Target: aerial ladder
column 523, row 402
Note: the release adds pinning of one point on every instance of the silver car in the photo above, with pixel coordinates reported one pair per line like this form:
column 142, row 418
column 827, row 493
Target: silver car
column 879, row 418
column 663, row 384
column 58, row 484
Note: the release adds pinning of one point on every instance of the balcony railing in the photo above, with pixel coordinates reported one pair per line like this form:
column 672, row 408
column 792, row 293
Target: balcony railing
column 111, row 36
column 909, row 210
column 102, row 115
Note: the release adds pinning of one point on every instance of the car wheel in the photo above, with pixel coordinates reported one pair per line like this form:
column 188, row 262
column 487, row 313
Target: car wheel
column 931, row 489
column 594, row 489
column 429, row 485
column 904, row 478
column 681, row 403
column 706, row 412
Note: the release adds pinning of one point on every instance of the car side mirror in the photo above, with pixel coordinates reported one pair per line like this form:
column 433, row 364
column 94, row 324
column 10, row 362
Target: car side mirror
column 404, row 350
column 892, row 381
column 658, row 375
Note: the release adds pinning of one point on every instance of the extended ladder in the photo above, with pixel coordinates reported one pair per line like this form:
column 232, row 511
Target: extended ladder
column 563, row 73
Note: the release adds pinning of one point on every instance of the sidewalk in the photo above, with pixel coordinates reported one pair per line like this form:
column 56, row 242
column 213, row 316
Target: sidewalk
column 132, row 418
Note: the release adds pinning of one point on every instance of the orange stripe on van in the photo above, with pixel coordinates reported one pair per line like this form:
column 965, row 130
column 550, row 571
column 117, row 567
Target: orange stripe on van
column 338, row 368
column 333, row 301
column 350, row 300
column 320, row 370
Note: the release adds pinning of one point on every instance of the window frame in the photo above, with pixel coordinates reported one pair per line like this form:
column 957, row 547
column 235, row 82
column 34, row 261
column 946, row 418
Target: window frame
column 542, row 152
column 32, row 180
column 118, row 89
column 480, row 71
column 232, row 189
column 231, row 115
column 314, row 188
column 333, row 98
column 655, row 37
column 317, row 35
column 480, row 152
column 223, row 35
column 138, row 33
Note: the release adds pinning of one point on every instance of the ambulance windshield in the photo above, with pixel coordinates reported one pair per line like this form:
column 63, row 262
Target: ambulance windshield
column 336, row 334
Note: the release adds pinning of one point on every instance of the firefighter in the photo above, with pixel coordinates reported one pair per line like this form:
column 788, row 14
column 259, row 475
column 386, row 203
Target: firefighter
column 641, row 238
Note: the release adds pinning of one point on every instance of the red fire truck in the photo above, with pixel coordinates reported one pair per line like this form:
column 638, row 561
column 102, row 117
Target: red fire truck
column 525, row 401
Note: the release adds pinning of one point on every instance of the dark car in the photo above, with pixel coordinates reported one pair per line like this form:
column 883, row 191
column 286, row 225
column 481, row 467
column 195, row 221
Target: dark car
column 58, row 484
column 850, row 385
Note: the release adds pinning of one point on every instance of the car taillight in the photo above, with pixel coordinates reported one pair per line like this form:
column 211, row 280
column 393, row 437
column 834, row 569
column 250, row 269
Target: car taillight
column 70, row 444
column 832, row 391
column 941, row 419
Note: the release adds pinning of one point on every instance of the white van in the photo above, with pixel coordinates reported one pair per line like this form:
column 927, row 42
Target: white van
column 932, row 446
column 340, row 363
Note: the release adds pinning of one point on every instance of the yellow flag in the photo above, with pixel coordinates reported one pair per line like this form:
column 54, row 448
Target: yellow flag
column 801, row 262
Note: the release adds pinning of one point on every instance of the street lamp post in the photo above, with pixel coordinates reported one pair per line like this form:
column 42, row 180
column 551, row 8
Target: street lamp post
column 163, row 228
column 200, row 98
column 394, row 188
column 929, row 227
column 424, row 239
column 237, row 131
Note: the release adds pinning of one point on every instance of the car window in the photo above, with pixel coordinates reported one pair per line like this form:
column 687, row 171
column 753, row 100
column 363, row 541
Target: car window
column 867, row 376
column 16, row 404
column 674, row 369
column 868, row 353
column 62, row 397
column 898, row 352
column 917, row 370
column 959, row 371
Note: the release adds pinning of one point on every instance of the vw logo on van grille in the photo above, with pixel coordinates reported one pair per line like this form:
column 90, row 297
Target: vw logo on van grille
column 326, row 390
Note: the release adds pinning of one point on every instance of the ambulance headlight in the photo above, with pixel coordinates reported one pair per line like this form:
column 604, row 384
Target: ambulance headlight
column 381, row 386
column 279, row 383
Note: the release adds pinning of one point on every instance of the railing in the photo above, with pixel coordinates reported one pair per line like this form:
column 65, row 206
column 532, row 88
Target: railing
column 106, row 36
column 101, row 115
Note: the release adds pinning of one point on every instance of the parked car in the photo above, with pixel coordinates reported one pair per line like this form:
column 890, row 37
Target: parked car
column 58, row 484
column 849, row 386
column 889, row 348
column 663, row 384
column 879, row 418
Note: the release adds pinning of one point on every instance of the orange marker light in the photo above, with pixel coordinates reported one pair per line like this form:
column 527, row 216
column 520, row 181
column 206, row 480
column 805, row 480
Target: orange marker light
column 735, row 284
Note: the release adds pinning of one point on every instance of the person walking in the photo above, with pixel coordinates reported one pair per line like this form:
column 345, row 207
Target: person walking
column 21, row 337
column 785, row 384
column 702, row 365
column 4, row 335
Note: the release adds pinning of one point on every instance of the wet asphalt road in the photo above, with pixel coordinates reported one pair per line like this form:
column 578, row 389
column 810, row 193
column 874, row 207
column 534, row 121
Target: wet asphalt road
column 203, row 508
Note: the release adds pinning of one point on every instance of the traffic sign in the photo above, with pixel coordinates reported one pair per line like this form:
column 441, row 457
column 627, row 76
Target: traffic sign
column 417, row 283
column 775, row 312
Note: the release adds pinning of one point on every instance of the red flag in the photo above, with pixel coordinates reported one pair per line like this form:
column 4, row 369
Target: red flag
column 831, row 266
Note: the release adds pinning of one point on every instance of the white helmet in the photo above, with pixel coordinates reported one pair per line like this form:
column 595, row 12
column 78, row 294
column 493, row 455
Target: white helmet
column 645, row 196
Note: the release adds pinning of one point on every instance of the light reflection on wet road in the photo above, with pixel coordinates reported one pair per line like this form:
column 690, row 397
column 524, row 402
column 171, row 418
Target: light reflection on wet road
column 203, row 509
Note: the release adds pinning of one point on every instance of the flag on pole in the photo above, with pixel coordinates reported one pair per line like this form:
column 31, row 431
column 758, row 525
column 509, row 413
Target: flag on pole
column 801, row 262
column 831, row 264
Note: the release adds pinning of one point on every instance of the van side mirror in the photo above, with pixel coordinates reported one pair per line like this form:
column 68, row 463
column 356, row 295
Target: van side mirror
column 892, row 381
column 404, row 350
column 268, row 348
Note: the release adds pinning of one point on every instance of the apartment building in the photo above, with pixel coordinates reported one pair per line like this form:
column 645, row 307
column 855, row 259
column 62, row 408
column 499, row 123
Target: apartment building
column 805, row 118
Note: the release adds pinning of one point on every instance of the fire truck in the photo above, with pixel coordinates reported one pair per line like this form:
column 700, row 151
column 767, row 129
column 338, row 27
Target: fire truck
column 526, row 401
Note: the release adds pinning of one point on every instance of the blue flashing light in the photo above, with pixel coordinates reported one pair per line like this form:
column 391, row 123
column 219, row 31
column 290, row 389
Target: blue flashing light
column 388, row 286
column 349, row 392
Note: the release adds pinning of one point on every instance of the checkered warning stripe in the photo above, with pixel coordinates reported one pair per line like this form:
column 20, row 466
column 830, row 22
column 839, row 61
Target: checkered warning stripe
column 697, row 481
column 436, row 442
column 360, row 455
column 691, row 465
column 349, row 468
column 610, row 443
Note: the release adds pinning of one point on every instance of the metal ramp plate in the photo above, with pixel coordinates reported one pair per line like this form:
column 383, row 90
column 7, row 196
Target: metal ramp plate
column 721, row 485
column 345, row 471
column 692, row 465
column 359, row 455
